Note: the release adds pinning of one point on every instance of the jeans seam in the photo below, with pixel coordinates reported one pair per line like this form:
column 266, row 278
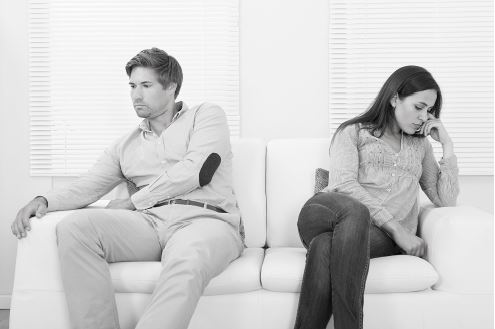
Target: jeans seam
column 324, row 206
column 336, row 214
column 331, row 277
column 301, row 295
column 363, row 282
column 301, row 238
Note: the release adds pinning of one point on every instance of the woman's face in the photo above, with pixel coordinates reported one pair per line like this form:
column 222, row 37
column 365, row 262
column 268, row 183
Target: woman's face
column 412, row 111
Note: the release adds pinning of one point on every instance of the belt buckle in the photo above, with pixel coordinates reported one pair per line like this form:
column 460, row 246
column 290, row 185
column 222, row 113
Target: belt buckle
column 171, row 202
column 205, row 205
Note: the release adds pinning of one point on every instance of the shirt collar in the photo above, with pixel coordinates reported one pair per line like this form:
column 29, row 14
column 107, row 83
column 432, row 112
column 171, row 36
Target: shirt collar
column 181, row 109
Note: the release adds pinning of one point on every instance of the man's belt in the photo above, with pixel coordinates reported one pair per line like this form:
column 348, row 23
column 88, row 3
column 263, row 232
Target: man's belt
column 190, row 203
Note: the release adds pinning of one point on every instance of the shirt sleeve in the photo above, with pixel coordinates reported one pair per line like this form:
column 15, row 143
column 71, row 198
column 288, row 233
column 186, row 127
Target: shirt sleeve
column 210, row 134
column 91, row 186
column 439, row 181
column 343, row 174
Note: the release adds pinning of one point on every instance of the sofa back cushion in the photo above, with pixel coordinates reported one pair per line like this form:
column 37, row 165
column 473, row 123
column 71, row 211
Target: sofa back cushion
column 290, row 179
column 248, row 170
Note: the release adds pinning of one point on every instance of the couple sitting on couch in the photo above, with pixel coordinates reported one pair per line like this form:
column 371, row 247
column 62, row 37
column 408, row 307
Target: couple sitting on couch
column 183, row 209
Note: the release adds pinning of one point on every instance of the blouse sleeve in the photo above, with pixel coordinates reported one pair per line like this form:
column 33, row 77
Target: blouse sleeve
column 439, row 180
column 343, row 174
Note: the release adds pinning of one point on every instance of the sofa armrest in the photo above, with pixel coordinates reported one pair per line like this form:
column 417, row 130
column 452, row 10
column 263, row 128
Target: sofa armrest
column 37, row 264
column 460, row 247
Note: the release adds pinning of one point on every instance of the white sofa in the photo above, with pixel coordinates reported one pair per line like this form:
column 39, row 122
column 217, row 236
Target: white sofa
column 452, row 289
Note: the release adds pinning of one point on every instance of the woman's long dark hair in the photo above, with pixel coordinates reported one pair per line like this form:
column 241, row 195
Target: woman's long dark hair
column 404, row 82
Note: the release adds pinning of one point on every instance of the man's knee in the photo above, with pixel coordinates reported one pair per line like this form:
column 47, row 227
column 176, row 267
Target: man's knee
column 192, row 265
column 75, row 226
column 198, row 261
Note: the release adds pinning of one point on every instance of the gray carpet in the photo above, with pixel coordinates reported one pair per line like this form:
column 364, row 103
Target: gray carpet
column 4, row 319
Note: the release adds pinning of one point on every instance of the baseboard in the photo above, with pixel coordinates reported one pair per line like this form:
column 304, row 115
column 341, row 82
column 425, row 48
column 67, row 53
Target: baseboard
column 5, row 302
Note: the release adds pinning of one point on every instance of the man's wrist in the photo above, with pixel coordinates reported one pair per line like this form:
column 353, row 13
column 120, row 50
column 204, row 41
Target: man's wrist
column 42, row 199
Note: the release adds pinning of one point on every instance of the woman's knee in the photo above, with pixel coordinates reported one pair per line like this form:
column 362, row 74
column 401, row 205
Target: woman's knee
column 320, row 246
column 314, row 219
column 318, row 207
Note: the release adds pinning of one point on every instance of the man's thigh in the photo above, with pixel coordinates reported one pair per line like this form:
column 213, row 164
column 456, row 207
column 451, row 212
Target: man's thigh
column 117, row 234
column 208, row 243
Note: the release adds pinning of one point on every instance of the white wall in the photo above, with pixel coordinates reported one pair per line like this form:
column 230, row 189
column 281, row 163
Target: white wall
column 284, row 68
column 284, row 93
column 16, row 187
column 284, row 78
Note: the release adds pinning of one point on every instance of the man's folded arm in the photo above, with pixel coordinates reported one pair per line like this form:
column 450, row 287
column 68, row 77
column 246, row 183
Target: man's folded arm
column 91, row 186
column 208, row 146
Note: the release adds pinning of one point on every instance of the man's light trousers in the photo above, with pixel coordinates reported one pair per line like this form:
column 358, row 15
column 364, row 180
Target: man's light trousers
column 193, row 244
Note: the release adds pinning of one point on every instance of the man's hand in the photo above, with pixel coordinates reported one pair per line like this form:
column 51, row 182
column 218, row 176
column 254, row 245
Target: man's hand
column 410, row 243
column 21, row 224
column 121, row 204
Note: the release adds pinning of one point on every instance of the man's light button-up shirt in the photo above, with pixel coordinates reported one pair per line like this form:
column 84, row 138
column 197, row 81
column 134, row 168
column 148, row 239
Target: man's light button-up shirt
column 161, row 167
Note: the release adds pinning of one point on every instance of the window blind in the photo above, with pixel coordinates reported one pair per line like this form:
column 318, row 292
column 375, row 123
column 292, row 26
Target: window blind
column 453, row 39
column 78, row 90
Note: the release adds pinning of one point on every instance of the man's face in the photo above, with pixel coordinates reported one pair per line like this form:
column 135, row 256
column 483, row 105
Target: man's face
column 148, row 96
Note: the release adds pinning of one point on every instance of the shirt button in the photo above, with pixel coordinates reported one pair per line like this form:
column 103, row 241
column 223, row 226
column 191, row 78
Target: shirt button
column 393, row 175
column 395, row 164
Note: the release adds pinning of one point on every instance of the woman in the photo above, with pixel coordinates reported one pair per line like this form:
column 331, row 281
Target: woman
column 378, row 160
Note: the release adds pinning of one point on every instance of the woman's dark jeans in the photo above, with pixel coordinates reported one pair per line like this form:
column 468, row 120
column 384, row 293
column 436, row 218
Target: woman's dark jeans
column 337, row 231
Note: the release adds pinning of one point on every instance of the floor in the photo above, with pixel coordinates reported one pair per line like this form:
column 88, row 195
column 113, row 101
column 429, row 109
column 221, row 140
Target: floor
column 4, row 319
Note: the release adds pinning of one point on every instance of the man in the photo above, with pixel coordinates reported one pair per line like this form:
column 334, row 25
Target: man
column 183, row 210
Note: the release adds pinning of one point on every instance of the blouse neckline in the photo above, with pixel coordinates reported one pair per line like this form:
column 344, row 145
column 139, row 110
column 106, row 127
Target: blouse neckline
column 388, row 145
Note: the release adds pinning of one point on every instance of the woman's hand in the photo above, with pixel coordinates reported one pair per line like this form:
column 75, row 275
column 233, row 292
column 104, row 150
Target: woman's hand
column 435, row 128
column 410, row 243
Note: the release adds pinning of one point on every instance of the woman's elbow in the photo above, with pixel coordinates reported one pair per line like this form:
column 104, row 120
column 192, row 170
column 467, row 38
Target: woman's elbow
column 450, row 201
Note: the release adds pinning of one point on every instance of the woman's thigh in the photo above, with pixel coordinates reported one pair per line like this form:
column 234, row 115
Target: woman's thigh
column 322, row 212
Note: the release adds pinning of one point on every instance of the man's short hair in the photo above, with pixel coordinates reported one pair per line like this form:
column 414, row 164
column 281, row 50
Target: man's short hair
column 166, row 67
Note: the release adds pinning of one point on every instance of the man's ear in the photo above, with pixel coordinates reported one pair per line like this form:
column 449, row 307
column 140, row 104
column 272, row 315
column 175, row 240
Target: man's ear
column 172, row 86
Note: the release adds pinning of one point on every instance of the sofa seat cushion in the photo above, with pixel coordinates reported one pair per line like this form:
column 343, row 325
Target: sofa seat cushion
column 283, row 270
column 242, row 275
